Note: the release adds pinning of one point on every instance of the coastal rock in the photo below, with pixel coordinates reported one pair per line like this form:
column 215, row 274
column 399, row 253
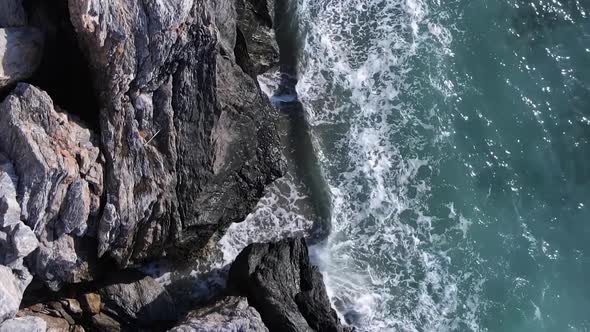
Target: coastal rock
column 9, row 207
column 12, row 14
column 17, row 241
column 24, row 324
column 256, row 48
column 183, row 162
column 20, row 53
column 10, row 293
column 60, row 180
column 140, row 301
column 231, row 314
column 285, row 288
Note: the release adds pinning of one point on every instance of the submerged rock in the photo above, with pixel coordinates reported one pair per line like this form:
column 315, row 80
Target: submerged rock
column 231, row 314
column 284, row 287
column 60, row 182
column 20, row 53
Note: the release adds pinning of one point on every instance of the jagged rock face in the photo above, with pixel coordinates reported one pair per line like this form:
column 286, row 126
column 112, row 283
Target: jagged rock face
column 231, row 314
column 20, row 53
column 282, row 284
column 256, row 47
column 60, row 181
column 189, row 141
column 17, row 241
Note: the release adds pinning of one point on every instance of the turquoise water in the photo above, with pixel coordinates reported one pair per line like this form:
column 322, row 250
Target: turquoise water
column 454, row 137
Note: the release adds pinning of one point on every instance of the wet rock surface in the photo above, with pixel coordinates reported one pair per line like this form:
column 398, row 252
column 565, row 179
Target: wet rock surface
column 281, row 283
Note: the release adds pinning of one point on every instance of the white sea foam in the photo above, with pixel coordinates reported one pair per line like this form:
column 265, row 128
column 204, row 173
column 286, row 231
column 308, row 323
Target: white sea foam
column 357, row 81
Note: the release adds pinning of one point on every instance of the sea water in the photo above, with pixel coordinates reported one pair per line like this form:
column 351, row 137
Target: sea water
column 454, row 138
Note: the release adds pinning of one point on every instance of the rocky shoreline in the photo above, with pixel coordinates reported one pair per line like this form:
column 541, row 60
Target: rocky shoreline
column 134, row 131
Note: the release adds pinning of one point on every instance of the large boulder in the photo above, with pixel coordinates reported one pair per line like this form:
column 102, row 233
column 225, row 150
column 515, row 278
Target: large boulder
column 60, row 176
column 20, row 53
column 137, row 301
column 189, row 140
column 12, row 14
column 285, row 288
column 230, row 314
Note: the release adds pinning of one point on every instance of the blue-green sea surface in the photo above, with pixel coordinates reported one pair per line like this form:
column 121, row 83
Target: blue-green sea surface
column 454, row 137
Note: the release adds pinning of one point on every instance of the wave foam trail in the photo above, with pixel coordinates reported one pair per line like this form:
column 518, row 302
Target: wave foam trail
column 360, row 85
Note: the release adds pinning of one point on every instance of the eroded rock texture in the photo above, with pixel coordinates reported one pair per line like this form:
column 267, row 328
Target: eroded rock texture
column 189, row 140
column 282, row 284
column 256, row 47
column 60, row 180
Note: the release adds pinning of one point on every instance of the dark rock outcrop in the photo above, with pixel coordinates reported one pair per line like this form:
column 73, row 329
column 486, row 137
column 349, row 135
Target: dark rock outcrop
column 231, row 314
column 190, row 142
column 256, row 48
column 282, row 284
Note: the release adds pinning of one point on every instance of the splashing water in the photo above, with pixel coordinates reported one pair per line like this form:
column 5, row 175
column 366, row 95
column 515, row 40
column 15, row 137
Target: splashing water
column 454, row 138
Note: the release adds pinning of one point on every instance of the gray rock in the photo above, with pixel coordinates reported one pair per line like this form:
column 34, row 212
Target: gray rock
column 16, row 242
column 24, row 324
column 52, row 155
column 138, row 301
column 24, row 241
column 12, row 14
column 10, row 293
column 284, row 287
column 20, row 53
column 183, row 161
column 9, row 207
column 231, row 314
